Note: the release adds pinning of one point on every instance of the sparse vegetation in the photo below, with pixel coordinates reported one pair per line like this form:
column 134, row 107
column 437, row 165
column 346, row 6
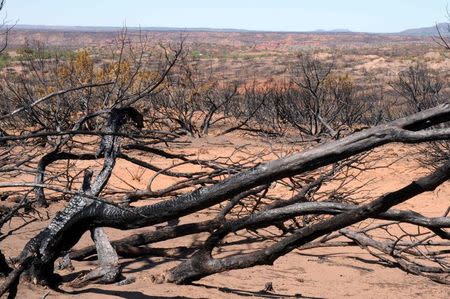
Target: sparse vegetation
column 252, row 143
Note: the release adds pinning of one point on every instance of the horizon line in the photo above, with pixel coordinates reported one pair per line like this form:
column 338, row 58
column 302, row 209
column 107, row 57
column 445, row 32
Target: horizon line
column 216, row 29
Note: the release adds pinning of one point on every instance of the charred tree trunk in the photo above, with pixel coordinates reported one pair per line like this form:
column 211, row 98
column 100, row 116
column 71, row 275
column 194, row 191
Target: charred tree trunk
column 202, row 264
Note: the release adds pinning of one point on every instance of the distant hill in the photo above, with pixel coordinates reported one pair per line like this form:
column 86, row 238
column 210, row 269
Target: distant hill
column 425, row 31
column 444, row 28
column 156, row 29
column 333, row 31
column 115, row 29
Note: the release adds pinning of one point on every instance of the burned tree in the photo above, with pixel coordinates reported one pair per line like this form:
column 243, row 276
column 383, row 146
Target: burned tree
column 86, row 211
column 420, row 87
column 320, row 100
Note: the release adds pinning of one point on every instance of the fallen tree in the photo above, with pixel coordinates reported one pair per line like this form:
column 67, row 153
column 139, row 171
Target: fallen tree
column 86, row 211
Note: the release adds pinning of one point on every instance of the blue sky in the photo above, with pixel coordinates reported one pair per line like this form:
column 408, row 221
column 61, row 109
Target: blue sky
column 278, row 15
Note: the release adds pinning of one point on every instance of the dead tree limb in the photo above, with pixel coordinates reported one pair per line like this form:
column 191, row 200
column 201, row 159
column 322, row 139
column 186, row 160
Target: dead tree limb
column 436, row 274
column 40, row 269
column 202, row 264
column 52, row 95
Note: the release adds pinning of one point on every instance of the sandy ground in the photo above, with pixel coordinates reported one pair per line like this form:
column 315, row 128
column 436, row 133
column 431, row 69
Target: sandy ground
column 317, row 273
